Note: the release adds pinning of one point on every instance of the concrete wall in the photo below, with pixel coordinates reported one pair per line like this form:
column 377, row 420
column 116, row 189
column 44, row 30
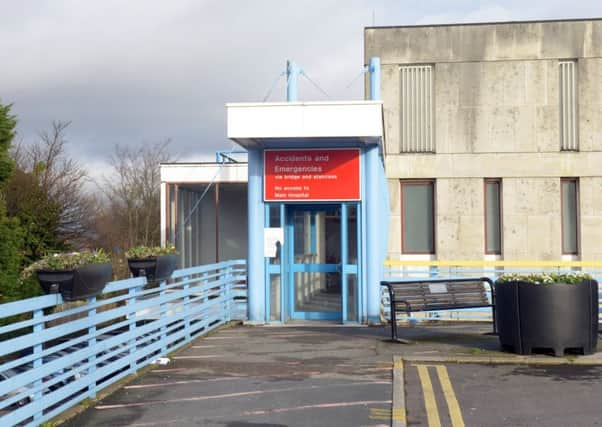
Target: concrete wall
column 497, row 115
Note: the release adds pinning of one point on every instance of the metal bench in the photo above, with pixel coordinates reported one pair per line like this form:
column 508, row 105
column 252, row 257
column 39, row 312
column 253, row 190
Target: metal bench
column 437, row 294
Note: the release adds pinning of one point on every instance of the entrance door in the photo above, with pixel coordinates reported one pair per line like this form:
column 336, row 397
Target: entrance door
column 315, row 274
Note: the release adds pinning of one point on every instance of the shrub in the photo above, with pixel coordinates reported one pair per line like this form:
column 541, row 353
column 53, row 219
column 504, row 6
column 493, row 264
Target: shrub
column 544, row 278
column 142, row 252
column 66, row 261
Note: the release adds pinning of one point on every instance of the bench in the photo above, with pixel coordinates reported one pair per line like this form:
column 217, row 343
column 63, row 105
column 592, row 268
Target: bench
column 409, row 296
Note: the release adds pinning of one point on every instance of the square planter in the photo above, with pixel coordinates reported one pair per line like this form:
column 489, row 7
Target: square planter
column 555, row 316
column 82, row 282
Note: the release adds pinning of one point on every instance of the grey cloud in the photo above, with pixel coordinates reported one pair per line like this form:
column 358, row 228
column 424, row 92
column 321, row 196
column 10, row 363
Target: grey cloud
column 127, row 72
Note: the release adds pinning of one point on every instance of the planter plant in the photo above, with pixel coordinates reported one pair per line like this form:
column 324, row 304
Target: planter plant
column 75, row 275
column 156, row 263
column 547, row 311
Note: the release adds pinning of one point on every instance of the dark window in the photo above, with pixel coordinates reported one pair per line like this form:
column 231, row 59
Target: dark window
column 570, row 215
column 418, row 217
column 493, row 216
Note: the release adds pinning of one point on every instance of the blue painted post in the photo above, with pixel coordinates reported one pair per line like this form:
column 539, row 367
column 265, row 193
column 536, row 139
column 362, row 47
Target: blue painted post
column 374, row 224
column 283, row 258
column 344, row 290
column 266, row 266
column 163, row 315
column 38, row 315
column 91, row 344
column 256, row 261
column 131, row 302
column 186, row 289
column 292, row 75
column 374, row 69
column 229, row 297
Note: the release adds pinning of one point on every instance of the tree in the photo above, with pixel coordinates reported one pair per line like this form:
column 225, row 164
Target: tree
column 38, row 214
column 10, row 232
column 132, row 215
column 54, row 181
column 7, row 133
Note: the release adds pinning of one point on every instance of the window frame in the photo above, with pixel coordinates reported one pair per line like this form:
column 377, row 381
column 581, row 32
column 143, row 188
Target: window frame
column 497, row 181
column 432, row 183
column 577, row 215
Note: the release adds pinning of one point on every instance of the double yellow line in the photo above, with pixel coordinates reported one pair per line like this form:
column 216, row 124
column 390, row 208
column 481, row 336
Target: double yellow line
column 430, row 402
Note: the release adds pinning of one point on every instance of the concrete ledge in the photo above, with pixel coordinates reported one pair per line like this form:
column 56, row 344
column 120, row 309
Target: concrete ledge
column 594, row 360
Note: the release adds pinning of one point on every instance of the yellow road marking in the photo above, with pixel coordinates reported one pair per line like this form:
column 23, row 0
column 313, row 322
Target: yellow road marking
column 430, row 404
column 387, row 414
column 450, row 397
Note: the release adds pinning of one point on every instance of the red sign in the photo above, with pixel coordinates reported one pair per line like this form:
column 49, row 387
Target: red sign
column 312, row 174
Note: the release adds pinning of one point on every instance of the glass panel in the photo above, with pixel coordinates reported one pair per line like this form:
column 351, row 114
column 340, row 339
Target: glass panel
column 302, row 236
column 274, row 219
column 418, row 233
column 329, row 236
column 232, row 221
column 352, row 297
column 492, row 215
column 569, row 217
column 352, row 235
column 317, row 292
column 207, row 226
column 274, row 297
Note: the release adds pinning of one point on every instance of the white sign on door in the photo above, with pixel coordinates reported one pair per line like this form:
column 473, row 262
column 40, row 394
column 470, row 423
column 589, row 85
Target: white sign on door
column 272, row 237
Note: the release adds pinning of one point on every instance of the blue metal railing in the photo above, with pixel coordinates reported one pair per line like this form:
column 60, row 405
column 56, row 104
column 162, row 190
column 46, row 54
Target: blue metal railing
column 410, row 272
column 55, row 355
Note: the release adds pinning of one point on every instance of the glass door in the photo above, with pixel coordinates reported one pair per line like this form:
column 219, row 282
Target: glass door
column 323, row 258
column 315, row 273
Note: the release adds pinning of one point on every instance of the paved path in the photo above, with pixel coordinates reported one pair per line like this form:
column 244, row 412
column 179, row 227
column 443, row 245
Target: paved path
column 247, row 376
column 344, row 376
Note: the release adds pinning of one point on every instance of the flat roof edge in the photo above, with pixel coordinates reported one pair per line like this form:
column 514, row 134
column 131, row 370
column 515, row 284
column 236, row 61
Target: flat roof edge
column 297, row 104
column 460, row 24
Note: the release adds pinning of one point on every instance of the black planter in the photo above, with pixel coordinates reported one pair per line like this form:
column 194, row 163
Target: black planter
column 556, row 316
column 52, row 280
column 82, row 282
column 155, row 269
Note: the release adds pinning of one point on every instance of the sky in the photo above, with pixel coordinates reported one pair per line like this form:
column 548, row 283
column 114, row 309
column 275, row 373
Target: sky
column 140, row 71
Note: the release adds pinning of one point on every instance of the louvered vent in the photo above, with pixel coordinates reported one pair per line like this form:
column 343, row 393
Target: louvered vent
column 568, row 106
column 417, row 108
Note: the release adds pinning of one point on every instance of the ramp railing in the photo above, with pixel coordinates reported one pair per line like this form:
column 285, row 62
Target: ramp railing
column 54, row 355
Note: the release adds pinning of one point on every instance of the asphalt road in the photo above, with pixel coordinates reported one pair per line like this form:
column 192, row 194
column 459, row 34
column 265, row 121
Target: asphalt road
column 503, row 395
column 248, row 377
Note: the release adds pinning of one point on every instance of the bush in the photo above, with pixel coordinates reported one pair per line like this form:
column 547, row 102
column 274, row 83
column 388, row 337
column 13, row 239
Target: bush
column 66, row 261
column 143, row 252
column 544, row 278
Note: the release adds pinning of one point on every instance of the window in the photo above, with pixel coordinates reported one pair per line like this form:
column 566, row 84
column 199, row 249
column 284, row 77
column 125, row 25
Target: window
column 568, row 106
column 418, row 217
column 417, row 109
column 569, row 195
column 493, row 216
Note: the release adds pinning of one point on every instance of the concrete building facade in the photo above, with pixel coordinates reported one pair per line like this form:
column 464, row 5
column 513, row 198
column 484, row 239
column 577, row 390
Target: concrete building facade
column 493, row 139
